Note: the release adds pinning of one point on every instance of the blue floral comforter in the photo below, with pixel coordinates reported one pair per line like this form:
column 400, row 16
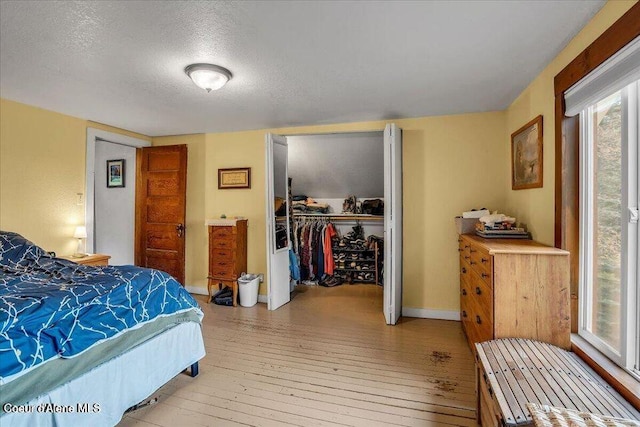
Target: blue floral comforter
column 51, row 307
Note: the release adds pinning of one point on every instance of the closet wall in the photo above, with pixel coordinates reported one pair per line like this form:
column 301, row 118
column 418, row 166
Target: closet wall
column 332, row 167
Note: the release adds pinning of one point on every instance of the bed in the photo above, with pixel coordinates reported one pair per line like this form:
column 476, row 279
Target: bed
column 79, row 345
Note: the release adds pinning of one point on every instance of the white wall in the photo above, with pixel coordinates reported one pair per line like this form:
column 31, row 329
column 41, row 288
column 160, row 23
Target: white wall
column 115, row 207
column 337, row 165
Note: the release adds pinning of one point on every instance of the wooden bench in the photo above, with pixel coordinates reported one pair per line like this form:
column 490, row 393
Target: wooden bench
column 515, row 371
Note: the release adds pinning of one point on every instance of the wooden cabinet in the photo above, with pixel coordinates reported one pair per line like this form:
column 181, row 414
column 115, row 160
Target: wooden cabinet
column 227, row 254
column 91, row 259
column 513, row 289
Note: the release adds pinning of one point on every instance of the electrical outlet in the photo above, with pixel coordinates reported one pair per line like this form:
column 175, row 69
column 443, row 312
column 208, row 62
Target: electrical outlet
column 79, row 199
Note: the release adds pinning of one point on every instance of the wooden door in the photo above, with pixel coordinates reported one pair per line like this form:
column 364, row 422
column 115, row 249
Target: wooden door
column 160, row 208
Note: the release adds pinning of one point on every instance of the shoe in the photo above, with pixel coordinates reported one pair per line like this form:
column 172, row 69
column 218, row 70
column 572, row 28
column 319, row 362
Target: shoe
column 222, row 293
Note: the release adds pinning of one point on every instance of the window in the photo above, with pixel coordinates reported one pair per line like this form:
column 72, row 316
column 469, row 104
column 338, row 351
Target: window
column 610, row 292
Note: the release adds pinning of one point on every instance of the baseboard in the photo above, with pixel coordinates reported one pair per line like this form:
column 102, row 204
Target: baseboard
column 196, row 290
column 263, row 298
column 425, row 313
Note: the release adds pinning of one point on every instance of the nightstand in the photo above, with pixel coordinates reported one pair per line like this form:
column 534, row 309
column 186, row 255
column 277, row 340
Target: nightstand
column 91, row 259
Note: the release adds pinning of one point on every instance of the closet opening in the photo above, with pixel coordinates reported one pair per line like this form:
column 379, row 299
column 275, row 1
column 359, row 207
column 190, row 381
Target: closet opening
column 332, row 198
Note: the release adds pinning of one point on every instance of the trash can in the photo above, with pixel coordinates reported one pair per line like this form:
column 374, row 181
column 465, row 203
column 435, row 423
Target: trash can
column 248, row 284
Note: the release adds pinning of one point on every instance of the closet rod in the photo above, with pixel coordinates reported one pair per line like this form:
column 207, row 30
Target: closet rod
column 356, row 217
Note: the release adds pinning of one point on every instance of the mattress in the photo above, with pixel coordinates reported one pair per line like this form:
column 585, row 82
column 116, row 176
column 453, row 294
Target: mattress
column 100, row 396
column 59, row 371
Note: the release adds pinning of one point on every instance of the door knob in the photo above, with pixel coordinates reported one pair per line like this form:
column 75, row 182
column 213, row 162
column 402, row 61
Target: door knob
column 180, row 229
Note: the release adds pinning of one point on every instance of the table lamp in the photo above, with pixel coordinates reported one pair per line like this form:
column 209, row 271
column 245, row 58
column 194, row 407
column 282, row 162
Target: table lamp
column 80, row 234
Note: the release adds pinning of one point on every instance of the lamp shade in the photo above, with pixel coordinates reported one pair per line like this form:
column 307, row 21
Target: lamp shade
column 208, row 76
column 81, row 232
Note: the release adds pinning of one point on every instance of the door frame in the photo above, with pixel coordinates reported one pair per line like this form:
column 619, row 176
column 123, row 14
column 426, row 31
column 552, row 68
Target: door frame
column 94, row 135
column 269, row 190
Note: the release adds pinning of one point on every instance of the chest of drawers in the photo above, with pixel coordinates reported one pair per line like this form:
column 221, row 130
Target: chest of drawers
column 227, row 254
column 513, row 289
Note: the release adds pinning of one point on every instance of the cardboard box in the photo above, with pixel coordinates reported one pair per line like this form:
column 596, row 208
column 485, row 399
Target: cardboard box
column 466, row 225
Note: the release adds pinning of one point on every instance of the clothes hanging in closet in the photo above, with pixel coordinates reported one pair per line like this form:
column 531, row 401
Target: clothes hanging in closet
column 313, row 248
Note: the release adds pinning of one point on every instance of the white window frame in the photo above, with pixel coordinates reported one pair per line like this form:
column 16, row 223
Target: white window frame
column 629, row 355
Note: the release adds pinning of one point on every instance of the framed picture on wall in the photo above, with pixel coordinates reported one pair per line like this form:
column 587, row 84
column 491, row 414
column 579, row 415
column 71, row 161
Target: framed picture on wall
column 234, row 178
column 115, row 173
column 526, row 156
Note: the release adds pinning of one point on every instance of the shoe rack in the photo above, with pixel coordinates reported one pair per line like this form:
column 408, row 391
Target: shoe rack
column 354, row 264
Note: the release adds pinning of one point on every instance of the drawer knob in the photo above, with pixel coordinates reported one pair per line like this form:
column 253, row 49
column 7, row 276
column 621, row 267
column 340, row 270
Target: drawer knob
column 467, row 257
column 478, row 320
column 464, row 270
column 466, row 246
column 464, row 292
column 464, row 313
column 472, row 262
column 484, row 275
column 484, row 260
column 459, row 250
column 478, row 291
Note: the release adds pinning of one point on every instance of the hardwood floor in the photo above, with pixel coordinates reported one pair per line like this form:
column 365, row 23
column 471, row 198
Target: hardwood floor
column 326, row 358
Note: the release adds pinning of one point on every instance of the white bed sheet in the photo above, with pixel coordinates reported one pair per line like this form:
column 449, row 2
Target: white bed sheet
column 115, row 385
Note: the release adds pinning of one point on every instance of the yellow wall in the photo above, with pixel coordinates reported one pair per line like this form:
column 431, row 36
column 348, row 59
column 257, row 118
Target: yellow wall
column 42, row 168
column 451, row 163
column 535, row 207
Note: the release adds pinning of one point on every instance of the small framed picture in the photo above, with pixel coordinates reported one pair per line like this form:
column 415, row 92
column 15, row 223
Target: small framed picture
column 526, row 156
column 115, row 173
column 234, row 178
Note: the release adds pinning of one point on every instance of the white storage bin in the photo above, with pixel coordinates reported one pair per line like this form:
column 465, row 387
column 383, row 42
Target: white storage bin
column 248, row 289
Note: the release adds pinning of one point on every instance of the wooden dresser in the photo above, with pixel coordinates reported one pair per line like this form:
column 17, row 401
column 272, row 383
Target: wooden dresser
column 227, row 253
column 514, row 289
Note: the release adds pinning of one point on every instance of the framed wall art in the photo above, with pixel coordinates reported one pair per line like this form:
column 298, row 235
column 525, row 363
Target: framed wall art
column 234, row 178
column 526, row 156
column 115, row 173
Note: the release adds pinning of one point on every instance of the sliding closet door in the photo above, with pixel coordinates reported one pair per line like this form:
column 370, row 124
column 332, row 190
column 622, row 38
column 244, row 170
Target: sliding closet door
column 277, row 222
column 392, row 223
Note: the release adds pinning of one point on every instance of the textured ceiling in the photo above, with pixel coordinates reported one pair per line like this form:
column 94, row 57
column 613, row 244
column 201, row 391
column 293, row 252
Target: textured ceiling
column 294, row 63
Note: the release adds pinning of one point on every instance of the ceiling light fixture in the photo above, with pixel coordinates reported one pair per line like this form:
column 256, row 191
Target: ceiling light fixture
column 208, row 76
